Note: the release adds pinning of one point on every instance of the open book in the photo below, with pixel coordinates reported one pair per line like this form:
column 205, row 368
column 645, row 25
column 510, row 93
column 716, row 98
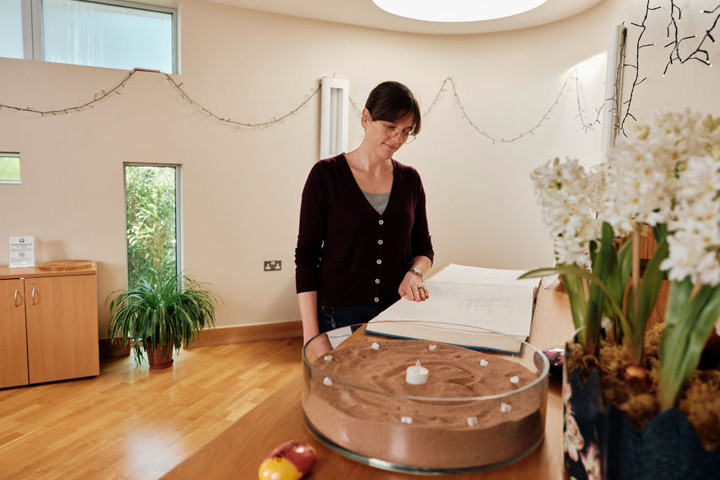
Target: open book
column 479, row 308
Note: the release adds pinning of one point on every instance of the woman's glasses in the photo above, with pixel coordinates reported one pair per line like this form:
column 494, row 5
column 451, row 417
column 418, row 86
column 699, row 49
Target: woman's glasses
column 393, row 130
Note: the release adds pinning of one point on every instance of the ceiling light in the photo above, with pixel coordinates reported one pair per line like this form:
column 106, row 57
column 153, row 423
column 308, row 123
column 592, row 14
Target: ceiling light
column 457, row 10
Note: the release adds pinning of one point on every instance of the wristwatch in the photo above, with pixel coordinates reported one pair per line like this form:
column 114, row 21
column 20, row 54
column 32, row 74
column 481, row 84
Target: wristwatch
column 416, row 272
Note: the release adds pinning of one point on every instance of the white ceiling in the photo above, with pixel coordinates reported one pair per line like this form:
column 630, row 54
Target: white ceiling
column 365, row 13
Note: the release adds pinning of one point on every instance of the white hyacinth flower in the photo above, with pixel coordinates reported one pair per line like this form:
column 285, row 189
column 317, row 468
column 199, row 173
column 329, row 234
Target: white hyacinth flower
column 566, row 195
column 695, row 243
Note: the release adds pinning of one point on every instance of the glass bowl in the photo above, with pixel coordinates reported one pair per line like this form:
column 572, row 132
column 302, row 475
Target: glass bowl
column 478, row 409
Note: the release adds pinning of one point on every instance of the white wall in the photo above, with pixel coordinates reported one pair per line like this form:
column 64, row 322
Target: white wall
column 241, row 189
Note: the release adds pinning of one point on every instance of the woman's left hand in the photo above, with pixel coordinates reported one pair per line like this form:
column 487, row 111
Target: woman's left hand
column 412, row 288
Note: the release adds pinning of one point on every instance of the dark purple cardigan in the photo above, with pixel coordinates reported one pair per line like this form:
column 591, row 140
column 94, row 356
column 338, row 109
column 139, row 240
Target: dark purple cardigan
column 346, row 251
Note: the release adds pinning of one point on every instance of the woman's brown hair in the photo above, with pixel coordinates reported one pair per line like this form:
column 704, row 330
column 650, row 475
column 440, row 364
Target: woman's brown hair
column 391, row 101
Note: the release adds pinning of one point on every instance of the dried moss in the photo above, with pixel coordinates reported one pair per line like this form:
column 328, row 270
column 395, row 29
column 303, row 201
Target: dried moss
column 636, row 397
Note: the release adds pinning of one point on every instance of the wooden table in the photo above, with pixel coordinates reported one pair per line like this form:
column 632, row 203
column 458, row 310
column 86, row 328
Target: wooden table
column 237, row 452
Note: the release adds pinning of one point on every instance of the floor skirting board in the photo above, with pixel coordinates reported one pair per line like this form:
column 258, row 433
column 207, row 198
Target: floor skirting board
column 220, row 336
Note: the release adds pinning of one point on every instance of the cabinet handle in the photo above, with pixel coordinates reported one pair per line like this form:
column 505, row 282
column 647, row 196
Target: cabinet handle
column 33, row 296
column 17, row 294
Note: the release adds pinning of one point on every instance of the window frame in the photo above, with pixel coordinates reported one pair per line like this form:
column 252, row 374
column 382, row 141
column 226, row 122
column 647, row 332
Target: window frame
column 33, row 32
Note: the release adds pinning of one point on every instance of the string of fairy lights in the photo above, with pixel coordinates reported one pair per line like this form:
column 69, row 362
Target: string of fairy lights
column 105, row 94
column 449, row 82
column 573, row 75
column 236, row 123
column 700, row 53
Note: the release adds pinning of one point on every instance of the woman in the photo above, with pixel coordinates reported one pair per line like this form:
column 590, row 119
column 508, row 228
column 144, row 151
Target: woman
column 363, row 241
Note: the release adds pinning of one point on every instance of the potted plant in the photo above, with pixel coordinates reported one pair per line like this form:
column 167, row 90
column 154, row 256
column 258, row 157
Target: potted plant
column 637, row 405
column 162, row 312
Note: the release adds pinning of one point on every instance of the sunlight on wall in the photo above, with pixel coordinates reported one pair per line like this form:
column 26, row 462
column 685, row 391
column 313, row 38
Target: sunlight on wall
column 590, row 68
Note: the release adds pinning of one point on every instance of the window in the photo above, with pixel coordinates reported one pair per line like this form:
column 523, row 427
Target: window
column 10, row 168
column 107, row 33
column 11, row 29
column 151, row 200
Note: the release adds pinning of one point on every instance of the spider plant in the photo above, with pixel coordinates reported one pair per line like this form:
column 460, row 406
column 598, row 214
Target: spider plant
column 162, row 311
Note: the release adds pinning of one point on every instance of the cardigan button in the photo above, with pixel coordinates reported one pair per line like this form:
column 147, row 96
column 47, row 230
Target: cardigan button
column 380, row 222
column 376, row 300
column 377, row 280
column 380, row 242
column 379, row 261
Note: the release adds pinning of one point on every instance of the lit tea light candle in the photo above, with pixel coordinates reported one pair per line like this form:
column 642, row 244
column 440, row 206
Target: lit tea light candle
column 416, row 374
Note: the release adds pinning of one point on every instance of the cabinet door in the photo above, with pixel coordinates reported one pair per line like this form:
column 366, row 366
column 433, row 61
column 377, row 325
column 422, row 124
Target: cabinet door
column 62, row 330
column 13, row 349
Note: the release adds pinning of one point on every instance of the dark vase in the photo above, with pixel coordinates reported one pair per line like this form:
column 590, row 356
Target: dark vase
column 601, row 443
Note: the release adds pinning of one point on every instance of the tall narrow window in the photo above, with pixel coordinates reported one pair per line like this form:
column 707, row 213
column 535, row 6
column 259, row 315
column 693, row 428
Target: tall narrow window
column 151, row 198
column 9, row 168
column 334, row 95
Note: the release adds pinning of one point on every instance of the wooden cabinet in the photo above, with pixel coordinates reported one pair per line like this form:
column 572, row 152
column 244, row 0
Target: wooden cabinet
column 13, row 346
column 48, row 325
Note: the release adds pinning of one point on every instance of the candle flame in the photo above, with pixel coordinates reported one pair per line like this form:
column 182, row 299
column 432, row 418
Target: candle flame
column 417, row 365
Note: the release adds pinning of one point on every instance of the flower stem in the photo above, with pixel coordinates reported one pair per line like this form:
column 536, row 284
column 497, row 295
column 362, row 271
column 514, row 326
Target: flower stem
column 635, row 269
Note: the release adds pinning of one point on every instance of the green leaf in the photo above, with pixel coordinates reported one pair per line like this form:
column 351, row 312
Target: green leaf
column 685, row 335
column 572, row 276
column 602, row 267
column 162, row 309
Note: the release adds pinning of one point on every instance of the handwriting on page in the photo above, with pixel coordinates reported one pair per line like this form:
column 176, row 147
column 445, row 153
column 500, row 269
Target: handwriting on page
column 508, row 309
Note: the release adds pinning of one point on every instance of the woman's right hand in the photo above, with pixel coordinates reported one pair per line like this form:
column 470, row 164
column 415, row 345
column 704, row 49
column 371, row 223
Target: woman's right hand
column 412, row 288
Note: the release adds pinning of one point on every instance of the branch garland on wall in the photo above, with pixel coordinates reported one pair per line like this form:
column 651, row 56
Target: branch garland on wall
column 586, row 125
column 99, row 97
column 700, row 53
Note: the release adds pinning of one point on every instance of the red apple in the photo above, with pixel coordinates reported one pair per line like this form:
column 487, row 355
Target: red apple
column 289, row 461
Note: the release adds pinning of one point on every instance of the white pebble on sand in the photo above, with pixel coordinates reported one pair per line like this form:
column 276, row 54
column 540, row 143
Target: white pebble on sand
column 432, row 347
column 327, row 381
column 375, row 346
column 505, row 408
column 483, row 363
column 472, row 421
column 407, row 420
column 328, row 358
column 514, row 379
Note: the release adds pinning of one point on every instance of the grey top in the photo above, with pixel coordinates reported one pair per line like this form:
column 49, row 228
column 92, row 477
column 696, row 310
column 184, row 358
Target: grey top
column 378, row 201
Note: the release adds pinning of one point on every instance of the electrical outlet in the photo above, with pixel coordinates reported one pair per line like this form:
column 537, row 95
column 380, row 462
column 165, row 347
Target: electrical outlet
column 272, row 265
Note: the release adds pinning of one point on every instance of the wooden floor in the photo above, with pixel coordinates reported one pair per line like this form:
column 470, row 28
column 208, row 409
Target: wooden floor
column 133, row 423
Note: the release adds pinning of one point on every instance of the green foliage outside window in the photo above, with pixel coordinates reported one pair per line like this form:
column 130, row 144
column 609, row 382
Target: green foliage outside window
column 151, row 221
column 9, row 168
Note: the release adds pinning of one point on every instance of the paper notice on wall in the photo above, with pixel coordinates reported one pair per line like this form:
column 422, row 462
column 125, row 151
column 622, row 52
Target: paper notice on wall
column 22, row 251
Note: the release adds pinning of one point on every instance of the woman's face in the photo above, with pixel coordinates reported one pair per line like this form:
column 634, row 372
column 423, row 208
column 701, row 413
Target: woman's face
column 386, row 137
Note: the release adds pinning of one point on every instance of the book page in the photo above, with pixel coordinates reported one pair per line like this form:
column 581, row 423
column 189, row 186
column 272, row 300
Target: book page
column 465, row 275
column 506, row 309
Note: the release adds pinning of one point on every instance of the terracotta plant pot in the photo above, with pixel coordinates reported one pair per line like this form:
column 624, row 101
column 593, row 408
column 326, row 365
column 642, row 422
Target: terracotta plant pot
column 160, row 358
column 601, row 443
